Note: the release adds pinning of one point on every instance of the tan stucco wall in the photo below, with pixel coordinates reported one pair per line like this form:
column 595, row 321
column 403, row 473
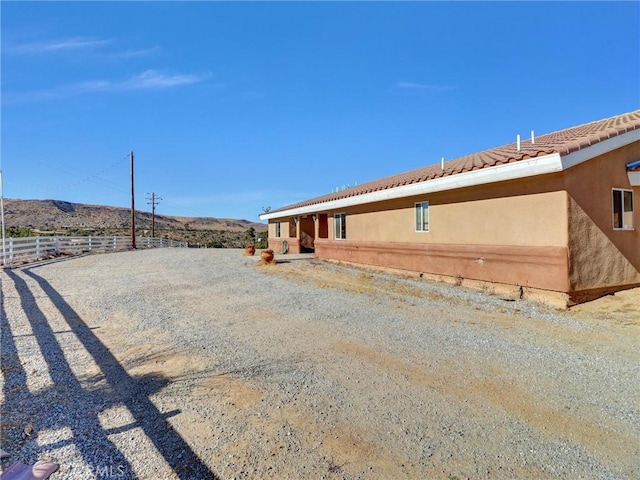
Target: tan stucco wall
column 601, row 256
column 552, row 232
column 288, row 231
column 513, row 232
column 285, row 228
column 538, row 219
column 596, row 262
column 330, row 229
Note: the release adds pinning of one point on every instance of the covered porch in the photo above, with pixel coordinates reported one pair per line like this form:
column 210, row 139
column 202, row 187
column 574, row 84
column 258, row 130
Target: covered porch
column 298, row 234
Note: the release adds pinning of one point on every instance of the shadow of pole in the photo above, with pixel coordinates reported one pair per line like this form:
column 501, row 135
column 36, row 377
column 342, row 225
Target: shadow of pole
column 175, row 450
column 66, row 385
column 14, row 385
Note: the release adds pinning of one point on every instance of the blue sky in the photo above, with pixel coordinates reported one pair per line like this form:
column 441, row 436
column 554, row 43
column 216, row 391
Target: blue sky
column 234, row 106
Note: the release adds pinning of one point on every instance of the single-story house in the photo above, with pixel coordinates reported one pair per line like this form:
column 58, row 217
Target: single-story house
column 552, row 216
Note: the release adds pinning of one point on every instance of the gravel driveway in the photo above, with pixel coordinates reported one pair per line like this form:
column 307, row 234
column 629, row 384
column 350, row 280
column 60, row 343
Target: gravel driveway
column 195, row 364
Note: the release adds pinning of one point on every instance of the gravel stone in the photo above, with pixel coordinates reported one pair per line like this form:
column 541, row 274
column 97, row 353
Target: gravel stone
column 198, row 363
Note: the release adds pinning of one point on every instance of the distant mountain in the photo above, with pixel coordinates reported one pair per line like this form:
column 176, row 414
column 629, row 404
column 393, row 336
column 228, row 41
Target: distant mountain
column 58, row 214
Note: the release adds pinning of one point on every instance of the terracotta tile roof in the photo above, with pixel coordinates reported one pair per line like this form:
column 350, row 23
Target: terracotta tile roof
column 563, row 142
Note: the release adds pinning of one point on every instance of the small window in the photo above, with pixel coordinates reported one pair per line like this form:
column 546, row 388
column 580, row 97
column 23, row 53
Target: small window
column 422, row 217
column 622, row 209
column 277, row 229
column 340, row 226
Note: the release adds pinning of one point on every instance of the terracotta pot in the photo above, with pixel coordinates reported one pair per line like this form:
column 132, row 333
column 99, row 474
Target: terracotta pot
column 267, row 256
column 250, row 250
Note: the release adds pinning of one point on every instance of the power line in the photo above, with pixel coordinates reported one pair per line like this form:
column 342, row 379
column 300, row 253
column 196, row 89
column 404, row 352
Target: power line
column 191, row 211
column 90, row 178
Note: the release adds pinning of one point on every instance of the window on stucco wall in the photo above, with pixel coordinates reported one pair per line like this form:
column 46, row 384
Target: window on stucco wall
column 340, row 226
column 277, row 229
column 422, row 217
column 622, row 209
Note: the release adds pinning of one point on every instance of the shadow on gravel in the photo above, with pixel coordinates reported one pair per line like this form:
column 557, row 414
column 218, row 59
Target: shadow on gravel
column 77, row 408
column 15, row 382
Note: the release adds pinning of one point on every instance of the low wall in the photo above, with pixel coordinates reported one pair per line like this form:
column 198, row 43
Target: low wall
column 275, row 244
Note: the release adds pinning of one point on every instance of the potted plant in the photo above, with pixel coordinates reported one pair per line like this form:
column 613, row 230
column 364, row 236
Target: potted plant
column 267, row 256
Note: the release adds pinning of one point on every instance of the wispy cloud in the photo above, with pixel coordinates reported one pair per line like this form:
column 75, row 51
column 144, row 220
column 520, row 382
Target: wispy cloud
column 53, row 46
column 426, row 86
column 147, row 80
column 152, row 79
column 77, row 44
column 144, row 52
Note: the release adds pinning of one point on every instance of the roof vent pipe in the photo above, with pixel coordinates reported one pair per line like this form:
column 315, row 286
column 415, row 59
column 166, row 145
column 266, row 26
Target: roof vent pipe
column 533, row 137
column 518, row 143
column 442, row 163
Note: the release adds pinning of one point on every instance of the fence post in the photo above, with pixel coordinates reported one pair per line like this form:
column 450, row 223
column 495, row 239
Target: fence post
column 37, row 246
column 56, row 245
column 11, row 249
column 89, row 242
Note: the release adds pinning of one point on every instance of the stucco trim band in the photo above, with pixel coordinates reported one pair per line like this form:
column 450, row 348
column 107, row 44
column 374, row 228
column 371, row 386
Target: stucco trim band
column 528, row 266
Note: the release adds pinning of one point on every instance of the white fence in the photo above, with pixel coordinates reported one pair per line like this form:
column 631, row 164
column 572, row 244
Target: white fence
column 36, row 248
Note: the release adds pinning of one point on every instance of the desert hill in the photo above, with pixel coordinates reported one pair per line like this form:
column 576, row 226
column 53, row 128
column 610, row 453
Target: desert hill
column 58, row 214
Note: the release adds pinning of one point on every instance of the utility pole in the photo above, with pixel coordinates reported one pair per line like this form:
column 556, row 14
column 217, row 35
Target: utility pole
column 133, row 208
column 154, row 201
column 4, row 252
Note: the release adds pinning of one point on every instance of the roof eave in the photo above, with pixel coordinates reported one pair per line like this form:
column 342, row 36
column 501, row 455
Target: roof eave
column 600, row 148
column 525, row 168
column 551, row 163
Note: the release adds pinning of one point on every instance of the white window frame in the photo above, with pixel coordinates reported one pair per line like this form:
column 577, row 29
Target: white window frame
column 621, row 192
column 419, row 206
column 340, row 231
column 278, row 229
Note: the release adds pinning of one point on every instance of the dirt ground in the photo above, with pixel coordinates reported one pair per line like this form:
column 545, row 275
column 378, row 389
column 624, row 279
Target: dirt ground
column 288, row 394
